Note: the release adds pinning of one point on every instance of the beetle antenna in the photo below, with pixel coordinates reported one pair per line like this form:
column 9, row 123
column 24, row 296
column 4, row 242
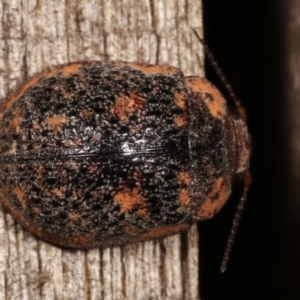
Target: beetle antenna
column 221, row 75
column 236, row 220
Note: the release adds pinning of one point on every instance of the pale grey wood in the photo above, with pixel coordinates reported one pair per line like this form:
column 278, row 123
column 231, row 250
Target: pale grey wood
column 38, row 34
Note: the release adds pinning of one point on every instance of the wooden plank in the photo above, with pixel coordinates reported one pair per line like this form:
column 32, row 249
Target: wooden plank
column 37, row 34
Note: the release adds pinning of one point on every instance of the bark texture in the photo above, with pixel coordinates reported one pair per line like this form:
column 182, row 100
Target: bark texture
column 37, row 34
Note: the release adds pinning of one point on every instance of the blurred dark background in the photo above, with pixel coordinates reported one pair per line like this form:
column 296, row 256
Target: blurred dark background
column 248, row 40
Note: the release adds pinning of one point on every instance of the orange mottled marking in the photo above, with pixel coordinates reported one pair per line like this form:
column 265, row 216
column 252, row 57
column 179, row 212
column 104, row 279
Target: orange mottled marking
column 154, row 69
column 166, row 230
column 85, row 114
column 180, row 120
column 13, row 148
column 209, row 94
column 74, row 216
column 184, row 197
column 67, row 95
column 242, row 145
column 40, row 172
column 14, row 124
column 58, row 192
column 77, row 193
column 215, row 200
column 36, row 146
column 76, row 167
column 60, row 168
column 36, row 125
column 81, row 240
column 70, row 70
column 96, row 194
column 73, row 143
column 93, row 168
column 180, row 99
column 184, row 178
column 55, row 121
column 135, row 128
column 50, row 72
column 16, row 121
column 131, row 230
column 126, row 105
column 129, row 199
column 96, row 137
column 21, row 195
column 37, row 210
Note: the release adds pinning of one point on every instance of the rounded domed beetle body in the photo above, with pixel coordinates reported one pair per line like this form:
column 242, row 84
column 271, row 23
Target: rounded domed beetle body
column 108, row 153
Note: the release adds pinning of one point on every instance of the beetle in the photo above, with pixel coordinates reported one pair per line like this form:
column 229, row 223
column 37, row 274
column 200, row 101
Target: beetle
column 109, row 153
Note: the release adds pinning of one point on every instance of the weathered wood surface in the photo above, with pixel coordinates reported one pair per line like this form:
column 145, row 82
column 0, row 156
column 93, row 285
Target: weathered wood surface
column 37, row 34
